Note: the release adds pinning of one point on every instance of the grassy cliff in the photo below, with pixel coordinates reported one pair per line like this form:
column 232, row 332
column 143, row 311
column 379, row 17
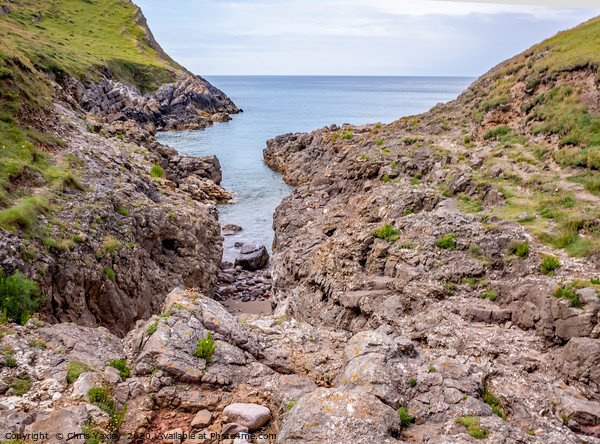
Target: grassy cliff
column 46, row 41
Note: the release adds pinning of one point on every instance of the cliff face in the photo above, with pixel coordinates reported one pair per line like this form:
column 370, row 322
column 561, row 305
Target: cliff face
column 471, row 230
column 104, row 218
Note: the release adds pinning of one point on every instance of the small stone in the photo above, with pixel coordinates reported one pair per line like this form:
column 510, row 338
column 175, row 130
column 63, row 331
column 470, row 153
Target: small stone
column 173, row 436
column 202, row 419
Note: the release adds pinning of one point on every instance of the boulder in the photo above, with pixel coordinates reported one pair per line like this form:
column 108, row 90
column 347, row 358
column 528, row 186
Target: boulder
column 202, row 419
column 253, row 257
column 252, row 416
column 64, row 422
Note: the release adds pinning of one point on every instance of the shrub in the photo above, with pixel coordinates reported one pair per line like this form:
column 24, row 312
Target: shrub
column 152, row 328
column 21, row 384
column 110, row 274
column 386, row 178
column 431, row 369
column 18, row 297
column 122, row 367
column 405, row 418
column 74, row 369
column 569, row 294
column 38, row 344
column 412, row 382
column 595, row 281
column 157, row 171
column 520, row 249
column 8, row 353
column 473, row 427
column 387, row 233
column 548, row 265
column 379, row 142
column 123, row 212
column 447, row 242
column 205, row 348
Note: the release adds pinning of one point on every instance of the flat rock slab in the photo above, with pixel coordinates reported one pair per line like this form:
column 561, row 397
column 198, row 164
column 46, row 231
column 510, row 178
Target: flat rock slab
column 252, row 416
column 202, row 419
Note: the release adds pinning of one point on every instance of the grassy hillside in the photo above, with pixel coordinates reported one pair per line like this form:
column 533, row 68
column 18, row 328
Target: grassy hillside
column 57, row 38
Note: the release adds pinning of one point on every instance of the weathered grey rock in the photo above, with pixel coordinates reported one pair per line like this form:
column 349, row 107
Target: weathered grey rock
column 252, row 416
column 253, row 257
column 64, row 421
column 84, row 383
column 336, row 416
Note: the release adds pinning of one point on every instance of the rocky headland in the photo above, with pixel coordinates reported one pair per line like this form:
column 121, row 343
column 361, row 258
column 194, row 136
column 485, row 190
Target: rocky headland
column 434, row 280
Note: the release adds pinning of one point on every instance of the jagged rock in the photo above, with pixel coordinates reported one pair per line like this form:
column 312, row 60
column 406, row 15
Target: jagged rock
column 252, row 416
column 253, row 257
column 62, row 423
column 202, row 419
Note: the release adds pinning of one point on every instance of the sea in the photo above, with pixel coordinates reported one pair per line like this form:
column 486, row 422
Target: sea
column 276, row 105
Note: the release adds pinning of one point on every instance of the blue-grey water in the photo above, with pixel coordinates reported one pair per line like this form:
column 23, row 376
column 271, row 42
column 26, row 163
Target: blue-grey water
column 276, row 105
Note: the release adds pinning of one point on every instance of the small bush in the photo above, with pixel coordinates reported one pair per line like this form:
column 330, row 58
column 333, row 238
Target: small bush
column 431, row 369
column 569, row 294
column 520, row 249
column 447, row 242
column 405, row 418
column 38, row 344
column 157, row 171
column 205, row 348
column 385, row 178
column 74, row 369
column 412, row 382
column 387, row 233
column 595, row 281
column 152, row 328
column 9, row 353
column 488, row 294
column 122, row 367
column 123, row 212
column 18, row 297
column 110, row 274
column 379, row 142
column 473, row 427
column 548, row 265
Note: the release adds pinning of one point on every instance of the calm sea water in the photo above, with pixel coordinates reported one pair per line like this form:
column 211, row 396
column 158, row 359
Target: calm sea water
column 276, row 105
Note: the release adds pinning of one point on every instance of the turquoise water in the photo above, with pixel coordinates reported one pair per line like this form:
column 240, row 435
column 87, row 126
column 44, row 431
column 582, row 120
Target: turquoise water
column 276, row 105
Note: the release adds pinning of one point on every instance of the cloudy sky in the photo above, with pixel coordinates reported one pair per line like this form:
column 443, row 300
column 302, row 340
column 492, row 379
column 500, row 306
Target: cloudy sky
column 350, row 37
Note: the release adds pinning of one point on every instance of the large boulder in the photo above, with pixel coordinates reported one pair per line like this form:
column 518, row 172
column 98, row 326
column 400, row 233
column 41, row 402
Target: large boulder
column 252, row 416
column 253, row 257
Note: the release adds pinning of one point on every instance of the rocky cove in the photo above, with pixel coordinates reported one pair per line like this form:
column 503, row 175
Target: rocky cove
column 409, row 304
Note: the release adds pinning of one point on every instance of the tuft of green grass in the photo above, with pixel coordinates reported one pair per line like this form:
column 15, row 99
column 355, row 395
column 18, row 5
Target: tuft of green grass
column 473, row 426
column 568, row 293
column 520, row 249
column 75, row 369
column 157, row 171
column 9, row 353
column 290, row 404
column 447, row 242
column 123, row 212
column 101, row 398
column 488, row 294
column 38, row 344
column 24, row 214
column 152, row 328
column 111, row 245
column 431, row 369
column 405, row 418
column 205, row 348
column 412, row 382
column 21, row 384
column 387, row 232
column 385, row 178
column 110, row 274
column 595, row 281
column 121, row 365
column 548, row 265
column 497, row 132
column 497, row 406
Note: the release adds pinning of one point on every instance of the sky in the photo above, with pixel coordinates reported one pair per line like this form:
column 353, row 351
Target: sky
column 350, row 37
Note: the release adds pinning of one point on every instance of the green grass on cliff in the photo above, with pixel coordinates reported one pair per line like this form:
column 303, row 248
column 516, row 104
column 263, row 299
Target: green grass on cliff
column 78, row 38
column 85, row 38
